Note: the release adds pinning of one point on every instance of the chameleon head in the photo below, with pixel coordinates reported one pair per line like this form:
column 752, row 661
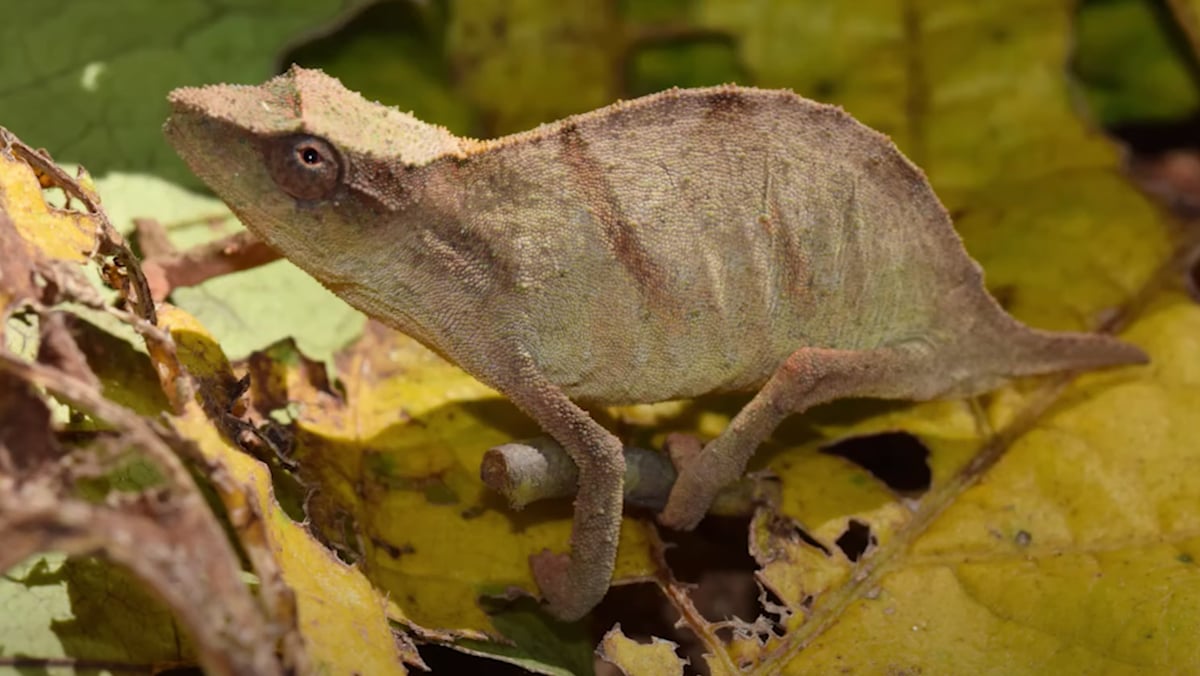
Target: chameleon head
column 306, row 164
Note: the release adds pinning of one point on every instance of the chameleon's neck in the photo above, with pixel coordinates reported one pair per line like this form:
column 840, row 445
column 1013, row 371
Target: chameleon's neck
column 421, row 264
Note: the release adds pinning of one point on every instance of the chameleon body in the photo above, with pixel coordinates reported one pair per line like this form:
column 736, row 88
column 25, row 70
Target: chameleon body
column 688, row 242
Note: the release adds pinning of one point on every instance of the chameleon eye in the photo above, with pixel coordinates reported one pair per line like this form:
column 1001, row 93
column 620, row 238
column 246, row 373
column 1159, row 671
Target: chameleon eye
column 305, row 167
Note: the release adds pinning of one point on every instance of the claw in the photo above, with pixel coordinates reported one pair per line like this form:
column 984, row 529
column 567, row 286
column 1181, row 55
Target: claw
column 690, row 497
column 550, row 572
column 683, row 519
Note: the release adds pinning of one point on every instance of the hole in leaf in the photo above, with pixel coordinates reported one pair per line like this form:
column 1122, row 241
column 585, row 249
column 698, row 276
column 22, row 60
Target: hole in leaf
column 898, row 459
column 855, row 541
column 775, row 610
column 807, row 539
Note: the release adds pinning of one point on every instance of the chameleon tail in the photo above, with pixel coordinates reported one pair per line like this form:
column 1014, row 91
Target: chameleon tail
column 998, row 347
column 1027, row 351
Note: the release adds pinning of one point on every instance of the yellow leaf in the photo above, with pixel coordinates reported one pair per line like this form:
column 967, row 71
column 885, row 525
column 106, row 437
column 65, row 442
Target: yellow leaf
column 52, row 232
column 1075, row 553
column 343, row 619
column 977, row 96
column 640, row 659
column 401, row 459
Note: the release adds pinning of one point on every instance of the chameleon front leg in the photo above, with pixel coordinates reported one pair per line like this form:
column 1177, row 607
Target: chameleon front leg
column 573, row 584
column 808, row 377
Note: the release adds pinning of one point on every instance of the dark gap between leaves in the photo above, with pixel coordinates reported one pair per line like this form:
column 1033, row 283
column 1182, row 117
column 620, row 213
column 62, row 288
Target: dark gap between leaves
column 443, row 660
column 898, row 459
column 1156, row 136
column 1164, row 154
column 718, row 543
column 716, row 557
column 855, row 541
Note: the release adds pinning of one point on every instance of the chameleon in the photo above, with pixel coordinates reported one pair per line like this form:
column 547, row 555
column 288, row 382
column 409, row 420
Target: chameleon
column 692, row 241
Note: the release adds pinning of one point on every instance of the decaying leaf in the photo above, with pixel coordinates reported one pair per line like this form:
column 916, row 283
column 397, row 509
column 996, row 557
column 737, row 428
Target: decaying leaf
column 638, row 659
column 395, row 465
column 343, row 631
column 167, row 537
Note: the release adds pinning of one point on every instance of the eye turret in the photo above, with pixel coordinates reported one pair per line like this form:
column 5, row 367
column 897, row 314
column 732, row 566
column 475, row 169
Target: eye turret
column 305, row 167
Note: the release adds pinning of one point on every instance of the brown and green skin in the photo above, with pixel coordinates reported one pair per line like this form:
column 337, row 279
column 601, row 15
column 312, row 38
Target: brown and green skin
column 688, row 242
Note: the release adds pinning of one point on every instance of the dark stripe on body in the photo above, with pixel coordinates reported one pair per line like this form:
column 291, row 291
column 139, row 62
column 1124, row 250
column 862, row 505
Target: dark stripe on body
column 589, row 177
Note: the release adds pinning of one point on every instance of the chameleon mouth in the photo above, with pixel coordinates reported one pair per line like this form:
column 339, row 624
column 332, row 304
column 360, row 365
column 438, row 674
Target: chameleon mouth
column 187, row 113
column 183, row 128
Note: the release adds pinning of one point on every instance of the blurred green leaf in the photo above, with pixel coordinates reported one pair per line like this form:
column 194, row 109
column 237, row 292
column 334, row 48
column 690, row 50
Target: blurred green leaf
column 683, row 62
column 245, row 310
column 1132, row 64
column 86, row 610
column 88, row 80
column 394, row 52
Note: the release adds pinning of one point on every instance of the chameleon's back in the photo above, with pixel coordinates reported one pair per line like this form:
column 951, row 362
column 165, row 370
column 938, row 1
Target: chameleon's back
column 690, row 242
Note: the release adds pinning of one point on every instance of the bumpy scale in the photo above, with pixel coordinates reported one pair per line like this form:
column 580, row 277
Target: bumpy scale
column 687, row 242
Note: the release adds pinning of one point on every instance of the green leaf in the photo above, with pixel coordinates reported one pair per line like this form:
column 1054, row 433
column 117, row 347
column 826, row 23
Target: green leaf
column 245, row 310
column 86, row 610
column 1133, row 64
column 101, row 102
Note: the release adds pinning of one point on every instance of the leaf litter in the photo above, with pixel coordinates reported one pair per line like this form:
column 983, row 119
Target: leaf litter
column 1015, row 558
column 59, row 490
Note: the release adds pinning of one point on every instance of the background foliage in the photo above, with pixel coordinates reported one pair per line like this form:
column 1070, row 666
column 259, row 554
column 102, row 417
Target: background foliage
column 1050, row 526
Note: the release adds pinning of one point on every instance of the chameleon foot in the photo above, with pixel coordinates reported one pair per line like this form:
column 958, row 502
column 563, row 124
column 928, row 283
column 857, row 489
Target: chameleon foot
column 551, row 572
column 695, row 486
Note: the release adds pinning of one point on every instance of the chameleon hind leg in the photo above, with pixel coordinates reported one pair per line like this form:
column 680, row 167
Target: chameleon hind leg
column 810, row 376
column 573, row 584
